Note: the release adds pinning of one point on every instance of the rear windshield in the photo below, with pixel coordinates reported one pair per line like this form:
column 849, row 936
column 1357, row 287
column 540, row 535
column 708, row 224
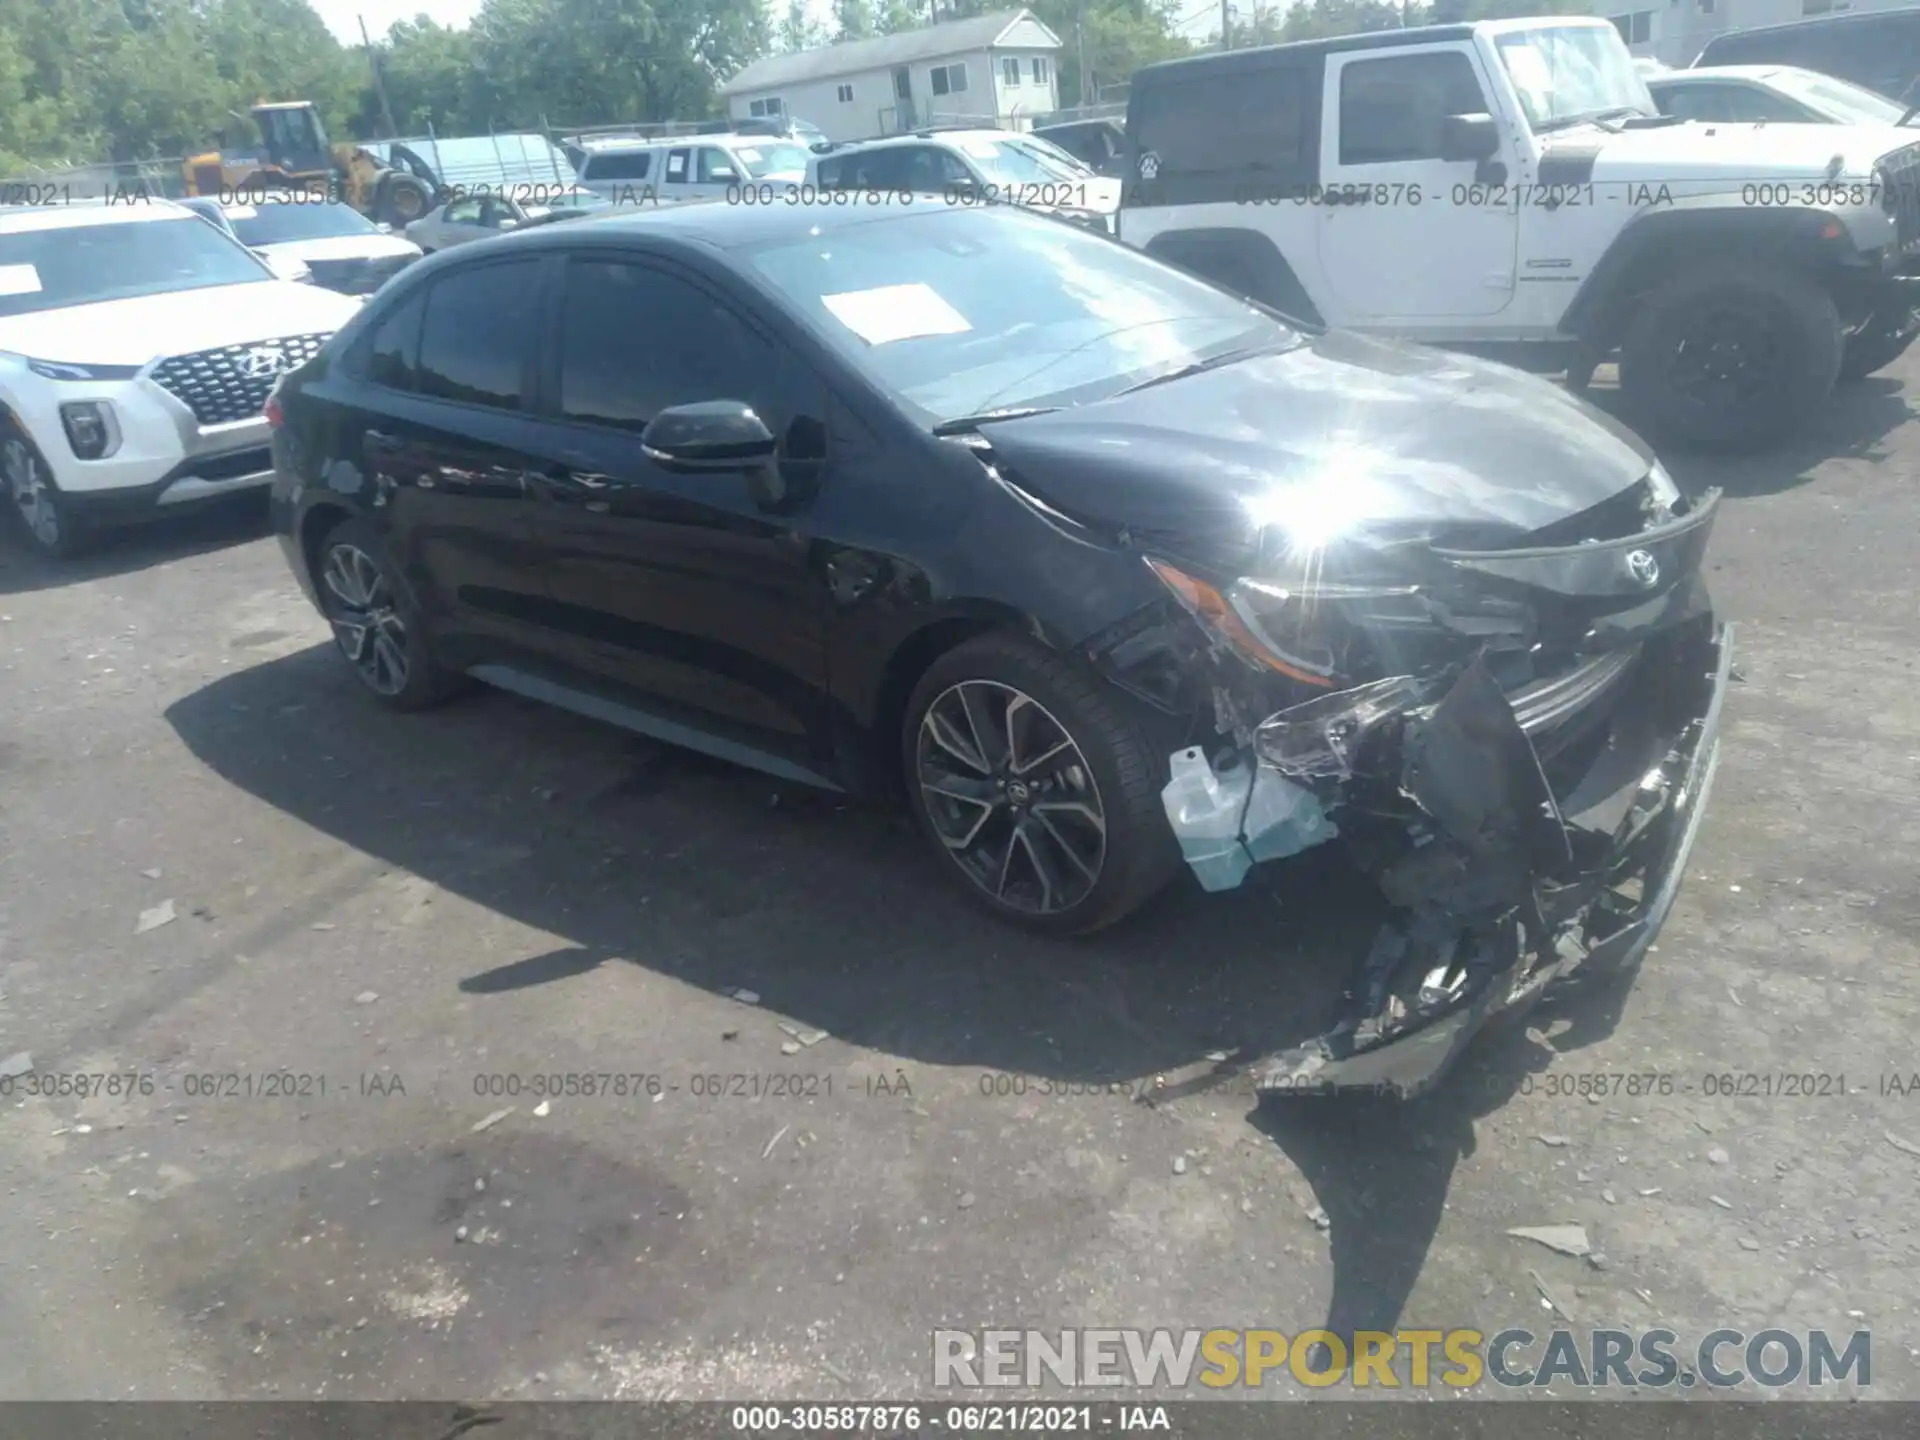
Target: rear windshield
column 86, row 264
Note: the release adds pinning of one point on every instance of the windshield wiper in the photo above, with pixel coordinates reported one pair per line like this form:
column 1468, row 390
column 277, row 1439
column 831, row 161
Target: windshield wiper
column 1200, row 367
column 961, row 424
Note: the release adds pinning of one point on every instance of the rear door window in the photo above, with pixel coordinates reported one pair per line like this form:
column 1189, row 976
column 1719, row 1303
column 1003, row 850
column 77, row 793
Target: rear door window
column 393, row 350
column 477, row 338
column 1255, row 124
column 629, row 166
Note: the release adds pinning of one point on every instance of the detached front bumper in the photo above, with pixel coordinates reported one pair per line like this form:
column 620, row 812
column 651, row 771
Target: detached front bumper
column 1519, row 883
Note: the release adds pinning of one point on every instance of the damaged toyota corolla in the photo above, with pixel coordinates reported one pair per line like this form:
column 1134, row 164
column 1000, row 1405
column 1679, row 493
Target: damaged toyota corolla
column 1103, row 565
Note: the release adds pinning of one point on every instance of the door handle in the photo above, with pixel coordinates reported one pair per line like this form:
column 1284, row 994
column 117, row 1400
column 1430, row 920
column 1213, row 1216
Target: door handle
column 563, row 482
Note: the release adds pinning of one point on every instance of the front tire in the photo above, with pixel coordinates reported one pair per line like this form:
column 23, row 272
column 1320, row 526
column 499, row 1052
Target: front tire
column 1730, row 358
column 49, row 522
column 1035, row 787
column 376, row 624
column 1875, row 349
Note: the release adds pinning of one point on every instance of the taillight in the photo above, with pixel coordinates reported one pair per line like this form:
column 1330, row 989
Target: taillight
column 276, row 417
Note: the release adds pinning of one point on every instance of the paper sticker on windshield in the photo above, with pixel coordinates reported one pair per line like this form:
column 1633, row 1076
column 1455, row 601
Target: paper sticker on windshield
column 895, row 312
column 981, row 149
column 25, row 280
column 239, row 212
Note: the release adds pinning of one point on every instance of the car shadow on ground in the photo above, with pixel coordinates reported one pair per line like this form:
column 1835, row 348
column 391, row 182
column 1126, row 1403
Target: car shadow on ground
column 232, row 521
column 637, row 853
column 1855, row 424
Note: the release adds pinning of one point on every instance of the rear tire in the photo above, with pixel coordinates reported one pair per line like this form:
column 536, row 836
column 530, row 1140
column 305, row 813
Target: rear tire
column 1732, row 357
column 46, row 518
column 376, row 621
column 404, row 199
column 1035, row 787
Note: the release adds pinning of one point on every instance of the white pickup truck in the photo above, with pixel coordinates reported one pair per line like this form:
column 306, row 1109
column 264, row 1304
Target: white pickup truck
column 1508, row 186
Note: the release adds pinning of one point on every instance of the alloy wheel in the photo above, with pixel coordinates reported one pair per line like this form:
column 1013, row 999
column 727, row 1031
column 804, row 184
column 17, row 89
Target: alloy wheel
column 32, row 496
column 1008, row 792
column 366, row 624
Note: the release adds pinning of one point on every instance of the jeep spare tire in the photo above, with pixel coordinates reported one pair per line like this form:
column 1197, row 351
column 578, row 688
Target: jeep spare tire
column 1731, row 357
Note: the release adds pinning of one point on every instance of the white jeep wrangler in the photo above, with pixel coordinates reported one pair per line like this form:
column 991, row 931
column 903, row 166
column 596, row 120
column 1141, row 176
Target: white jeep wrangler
column 1509, row 187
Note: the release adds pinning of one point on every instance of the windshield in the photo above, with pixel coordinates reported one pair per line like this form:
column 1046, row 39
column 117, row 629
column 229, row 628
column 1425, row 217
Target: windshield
column 1003, row 162
column 960, row 311
column 1568, row 73
column 1847, row 103
column 275, row 221
column 774, row 157
column 82, row 264
column 1050, row 154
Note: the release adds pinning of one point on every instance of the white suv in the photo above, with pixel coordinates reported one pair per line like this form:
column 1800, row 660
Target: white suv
column 1510, row 184
column 689, row 167
column 138, row 345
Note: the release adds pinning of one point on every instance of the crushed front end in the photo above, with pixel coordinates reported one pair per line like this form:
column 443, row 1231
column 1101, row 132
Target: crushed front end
column 1512, row 733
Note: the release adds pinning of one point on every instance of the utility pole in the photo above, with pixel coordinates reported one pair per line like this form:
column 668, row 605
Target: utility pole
column 1080, row 40
column 379, row 84
column 1226, row 24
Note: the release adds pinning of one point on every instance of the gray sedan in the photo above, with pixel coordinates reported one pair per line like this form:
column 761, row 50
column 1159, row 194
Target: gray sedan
column 475, row 217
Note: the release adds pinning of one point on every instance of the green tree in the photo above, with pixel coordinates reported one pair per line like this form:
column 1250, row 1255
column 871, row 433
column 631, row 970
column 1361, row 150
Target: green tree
column 800, row 31
column 853, row 20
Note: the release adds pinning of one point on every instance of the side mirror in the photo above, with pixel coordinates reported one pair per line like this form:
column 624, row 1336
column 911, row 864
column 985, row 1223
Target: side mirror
column 708, row 435
column 1469, row 137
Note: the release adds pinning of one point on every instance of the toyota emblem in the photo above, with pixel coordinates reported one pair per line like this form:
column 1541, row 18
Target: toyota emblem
column 263, row 361
column 1643, row 568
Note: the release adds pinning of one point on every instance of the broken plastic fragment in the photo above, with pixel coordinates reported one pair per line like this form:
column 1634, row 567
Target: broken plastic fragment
column 1567, row 1239
column 1231, row 816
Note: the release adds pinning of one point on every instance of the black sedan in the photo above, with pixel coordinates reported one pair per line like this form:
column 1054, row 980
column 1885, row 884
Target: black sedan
column 1095, row 564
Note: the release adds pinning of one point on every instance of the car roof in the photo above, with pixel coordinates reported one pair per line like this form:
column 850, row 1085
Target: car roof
column 715, row 225
column 1758, row 73
column 15, row 220
column 919, row 137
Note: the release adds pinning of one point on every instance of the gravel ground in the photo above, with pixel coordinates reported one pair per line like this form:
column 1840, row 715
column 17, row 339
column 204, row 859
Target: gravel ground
column 378, row 921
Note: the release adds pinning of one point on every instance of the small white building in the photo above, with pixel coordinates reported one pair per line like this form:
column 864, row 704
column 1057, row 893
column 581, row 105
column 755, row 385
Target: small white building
column 1674, row 31
column 993, row 70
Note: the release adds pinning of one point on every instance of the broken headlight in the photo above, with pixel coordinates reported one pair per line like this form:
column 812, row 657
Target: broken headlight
column 1303, row 629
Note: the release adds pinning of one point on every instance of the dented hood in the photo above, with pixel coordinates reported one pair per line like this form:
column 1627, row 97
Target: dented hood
column 1340, row 434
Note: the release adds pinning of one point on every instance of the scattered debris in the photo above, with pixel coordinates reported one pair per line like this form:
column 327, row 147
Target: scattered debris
column 1650, row 1190
column 1599, row 1261
column 459, row 1234
column 365, row 997
column 745, row 997
column 774, row 1141
column 1609, row 1197
column 1217, row 1057
column 1567, row 1239
column 729, row 1034
column 494, row 1119
column 83, row 1129
column 323, row 925
column 804, row 1037
column 790, row 1047
column 1723, row 1204
column 1552, row 1142
column 1646, row 1295
column 1320, row 1218
column 14, row 1066
column 161, row 914
column 1748, row 1243
column 1734, row 888
column 480, row 1187
column 543, row 1109
column 1718, row 1156
column 1246, row 1207
column 1705, row 1128
column 1179, row 1164
column 1734, row 996
column 966, row 1200
column 151, row 874
column 1905, row 1147
column 1547, row 1302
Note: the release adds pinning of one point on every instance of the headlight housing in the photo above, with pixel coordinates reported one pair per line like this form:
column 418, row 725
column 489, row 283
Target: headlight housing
column 1295, row 628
